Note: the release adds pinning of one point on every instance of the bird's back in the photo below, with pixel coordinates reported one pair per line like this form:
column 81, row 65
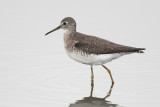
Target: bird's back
column 95, row 45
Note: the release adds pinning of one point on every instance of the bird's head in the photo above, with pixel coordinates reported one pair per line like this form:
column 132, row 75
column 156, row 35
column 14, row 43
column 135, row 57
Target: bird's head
column 67, row 23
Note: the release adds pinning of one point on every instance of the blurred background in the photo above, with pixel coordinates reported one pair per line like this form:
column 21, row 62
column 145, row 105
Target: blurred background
column 35, row 71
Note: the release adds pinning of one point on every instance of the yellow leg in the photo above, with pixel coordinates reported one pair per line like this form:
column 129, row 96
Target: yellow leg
column 92, row 81
column 109, row 73
column 109, row 93
column 92, row 75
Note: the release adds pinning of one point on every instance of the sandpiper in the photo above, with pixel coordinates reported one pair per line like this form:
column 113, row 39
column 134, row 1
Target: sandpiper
column 89, row 49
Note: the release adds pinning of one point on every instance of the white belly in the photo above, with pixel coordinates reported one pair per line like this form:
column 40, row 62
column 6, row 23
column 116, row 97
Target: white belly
column 93, row 59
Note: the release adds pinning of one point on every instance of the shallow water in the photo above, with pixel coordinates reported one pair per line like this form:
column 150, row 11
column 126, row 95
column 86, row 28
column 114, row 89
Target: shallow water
column 69, row 85
column 36, row 72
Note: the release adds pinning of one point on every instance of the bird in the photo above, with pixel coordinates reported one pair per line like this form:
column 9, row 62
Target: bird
column 91, row 50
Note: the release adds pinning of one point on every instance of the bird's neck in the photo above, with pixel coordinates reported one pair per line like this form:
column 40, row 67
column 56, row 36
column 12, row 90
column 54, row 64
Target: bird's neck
column 68, row 36
column 69, row 33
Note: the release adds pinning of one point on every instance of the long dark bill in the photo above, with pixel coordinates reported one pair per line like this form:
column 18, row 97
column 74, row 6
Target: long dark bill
column 53, row 30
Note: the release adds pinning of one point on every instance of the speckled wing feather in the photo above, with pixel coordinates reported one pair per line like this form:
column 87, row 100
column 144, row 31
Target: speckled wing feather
column 95, row 45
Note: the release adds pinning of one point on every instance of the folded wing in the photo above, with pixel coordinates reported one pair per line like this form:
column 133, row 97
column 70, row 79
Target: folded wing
column 95, row 45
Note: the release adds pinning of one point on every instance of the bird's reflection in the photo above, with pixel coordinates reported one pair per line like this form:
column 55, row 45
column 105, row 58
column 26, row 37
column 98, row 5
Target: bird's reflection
column 94, row 101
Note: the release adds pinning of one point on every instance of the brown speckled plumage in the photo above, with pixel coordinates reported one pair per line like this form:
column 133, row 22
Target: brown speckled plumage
column 95, row 45
column 91, row 44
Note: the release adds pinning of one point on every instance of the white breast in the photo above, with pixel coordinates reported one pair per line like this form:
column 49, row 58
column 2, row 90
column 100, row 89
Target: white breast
column 93, row 59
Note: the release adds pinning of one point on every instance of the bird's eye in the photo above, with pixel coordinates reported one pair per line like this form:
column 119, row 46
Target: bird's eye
column 65, row 23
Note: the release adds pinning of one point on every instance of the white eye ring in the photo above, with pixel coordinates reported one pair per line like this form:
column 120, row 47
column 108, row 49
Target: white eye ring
column 65, row 23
